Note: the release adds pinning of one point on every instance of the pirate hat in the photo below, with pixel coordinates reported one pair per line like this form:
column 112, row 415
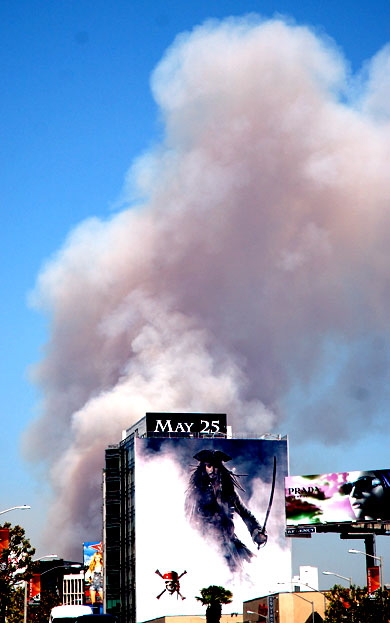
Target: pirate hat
column 214, row 457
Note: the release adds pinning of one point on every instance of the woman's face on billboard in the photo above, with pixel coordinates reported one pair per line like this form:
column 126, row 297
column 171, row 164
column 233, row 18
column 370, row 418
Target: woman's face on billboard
column 367, row 496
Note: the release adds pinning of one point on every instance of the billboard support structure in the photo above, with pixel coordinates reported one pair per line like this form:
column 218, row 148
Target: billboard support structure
column 369, row 543
column 354, row 504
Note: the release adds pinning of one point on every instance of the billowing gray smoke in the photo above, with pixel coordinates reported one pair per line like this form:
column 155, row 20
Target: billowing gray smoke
column 250, row 266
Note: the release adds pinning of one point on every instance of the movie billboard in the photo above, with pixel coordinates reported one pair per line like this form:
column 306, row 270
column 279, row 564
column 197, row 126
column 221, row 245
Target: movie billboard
column 338, row 498
column 208, row 512
column 93, row 573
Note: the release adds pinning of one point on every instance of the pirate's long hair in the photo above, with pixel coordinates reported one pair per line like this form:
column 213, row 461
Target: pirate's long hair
column 210, row 503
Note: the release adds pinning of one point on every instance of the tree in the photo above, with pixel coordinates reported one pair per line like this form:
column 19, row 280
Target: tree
column 15, row 609
column 356, row 605
column 213, row 597
column 37, row 613
column 40, row 612
column 15, row 567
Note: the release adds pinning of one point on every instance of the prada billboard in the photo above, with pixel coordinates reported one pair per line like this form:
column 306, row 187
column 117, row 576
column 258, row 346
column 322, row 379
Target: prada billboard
column 338, row 497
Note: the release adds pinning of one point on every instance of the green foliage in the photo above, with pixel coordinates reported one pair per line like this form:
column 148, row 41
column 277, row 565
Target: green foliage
column 356, row 605
column 15, row 610
column 17, row 559
column 215, row 594
column 15, row 569
column 213, row 597
column 39, row 613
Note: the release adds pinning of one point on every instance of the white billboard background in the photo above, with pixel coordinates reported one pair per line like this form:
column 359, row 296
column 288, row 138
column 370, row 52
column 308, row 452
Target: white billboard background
column 166, row 541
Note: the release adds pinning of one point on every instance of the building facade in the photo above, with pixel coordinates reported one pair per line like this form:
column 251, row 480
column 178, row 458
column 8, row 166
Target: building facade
column 73, row 589
column 290, row 607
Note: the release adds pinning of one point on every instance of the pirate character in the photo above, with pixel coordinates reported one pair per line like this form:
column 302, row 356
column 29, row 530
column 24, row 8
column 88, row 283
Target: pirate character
column 212, row 502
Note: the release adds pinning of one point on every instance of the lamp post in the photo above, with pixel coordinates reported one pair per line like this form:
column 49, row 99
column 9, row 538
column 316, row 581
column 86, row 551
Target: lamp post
column 21, row 507
column 50, row 556
column 339, row 576
column 75, row 566
column 257, row 614
column 304, row 598
column 317, row 591
column 356, row 551
column 308, row 601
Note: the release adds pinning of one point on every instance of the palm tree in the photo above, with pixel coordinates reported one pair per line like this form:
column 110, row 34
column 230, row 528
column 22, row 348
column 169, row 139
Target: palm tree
column 213, row 597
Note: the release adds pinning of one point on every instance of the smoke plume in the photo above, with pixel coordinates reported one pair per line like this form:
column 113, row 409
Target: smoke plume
column 248, row 266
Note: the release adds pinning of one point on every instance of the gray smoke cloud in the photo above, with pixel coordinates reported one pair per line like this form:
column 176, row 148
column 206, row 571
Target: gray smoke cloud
column 246, row 272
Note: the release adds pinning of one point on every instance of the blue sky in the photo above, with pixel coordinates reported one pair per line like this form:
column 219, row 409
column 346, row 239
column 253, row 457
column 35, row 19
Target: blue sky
column 76, row 110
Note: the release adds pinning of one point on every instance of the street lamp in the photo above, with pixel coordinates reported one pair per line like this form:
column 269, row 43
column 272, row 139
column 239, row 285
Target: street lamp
column 50, row 556
column 257, row 614
column 78, row 566
column 304, row 598
column 22, row 507
column 356, row 551
column 317, row 591
column 308, row 601
column 339, row 576
column 75, row 566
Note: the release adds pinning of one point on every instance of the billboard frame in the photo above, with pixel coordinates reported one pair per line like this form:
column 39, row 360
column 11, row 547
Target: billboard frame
column 334, row 502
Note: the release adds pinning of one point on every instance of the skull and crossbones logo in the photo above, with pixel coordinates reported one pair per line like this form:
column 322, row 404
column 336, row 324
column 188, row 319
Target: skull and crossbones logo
column 172, row 584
